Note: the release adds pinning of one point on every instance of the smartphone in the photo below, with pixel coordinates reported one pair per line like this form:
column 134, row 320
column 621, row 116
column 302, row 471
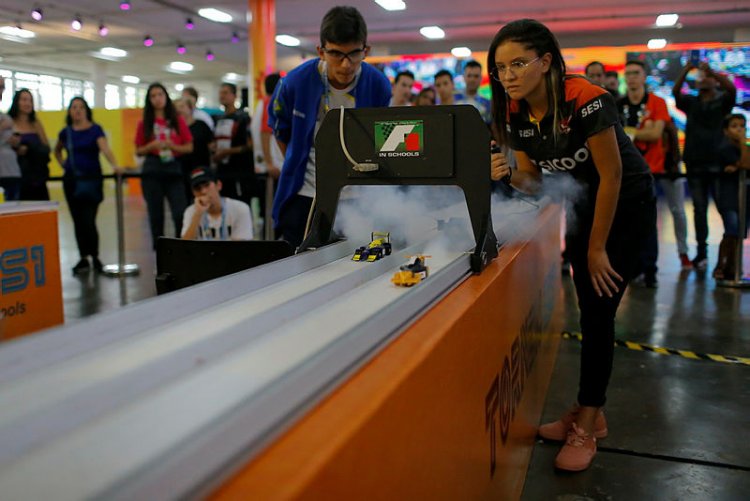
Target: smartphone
column 695, row 57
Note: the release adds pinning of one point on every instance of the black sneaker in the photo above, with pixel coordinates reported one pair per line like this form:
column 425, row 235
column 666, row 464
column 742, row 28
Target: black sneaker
column 700, row 263
column 83, row 266
column 98, row 266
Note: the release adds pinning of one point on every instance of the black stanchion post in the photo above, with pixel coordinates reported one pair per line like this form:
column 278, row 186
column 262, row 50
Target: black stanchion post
column 268, row 223
column 738, row 281
column 120, row 269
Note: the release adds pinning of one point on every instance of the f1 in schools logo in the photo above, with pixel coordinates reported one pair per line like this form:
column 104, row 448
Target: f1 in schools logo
column 404, row 138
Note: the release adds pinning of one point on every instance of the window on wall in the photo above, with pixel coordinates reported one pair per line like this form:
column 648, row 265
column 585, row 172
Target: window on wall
column 111, row 97
column 71, row 89
column 50, row 92
column 89, row 93
column 8, row 94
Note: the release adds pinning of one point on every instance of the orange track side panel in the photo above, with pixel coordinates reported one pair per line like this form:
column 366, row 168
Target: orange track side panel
column 31, row 290
column 447, row 411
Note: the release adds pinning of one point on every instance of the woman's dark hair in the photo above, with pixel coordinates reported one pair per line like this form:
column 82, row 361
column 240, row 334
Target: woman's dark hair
column 89, row 115
column 14, row 111
column 170, row 113
column 343, row 25
column 535, row 36
column 270, row 83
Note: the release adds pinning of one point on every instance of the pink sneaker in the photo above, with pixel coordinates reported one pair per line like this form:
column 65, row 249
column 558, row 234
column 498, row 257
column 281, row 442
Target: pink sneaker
column 578, row 452
column 559, row 429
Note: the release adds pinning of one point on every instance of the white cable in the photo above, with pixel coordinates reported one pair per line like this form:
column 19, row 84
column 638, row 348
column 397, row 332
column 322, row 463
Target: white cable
column 355, row 165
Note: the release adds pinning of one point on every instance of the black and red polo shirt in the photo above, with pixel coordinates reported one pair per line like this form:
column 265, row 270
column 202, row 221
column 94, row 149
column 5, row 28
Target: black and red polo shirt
column 588, row 109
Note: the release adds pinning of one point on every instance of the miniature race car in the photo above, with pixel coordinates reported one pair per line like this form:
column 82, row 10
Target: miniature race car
column 379, row 247
column 412, row 273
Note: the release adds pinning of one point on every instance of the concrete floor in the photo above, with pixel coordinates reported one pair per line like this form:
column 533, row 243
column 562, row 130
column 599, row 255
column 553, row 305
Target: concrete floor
column 678, row 427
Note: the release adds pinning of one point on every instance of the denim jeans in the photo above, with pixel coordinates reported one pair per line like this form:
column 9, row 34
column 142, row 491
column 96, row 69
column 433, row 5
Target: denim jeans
column 701, row 186
column 674, row 193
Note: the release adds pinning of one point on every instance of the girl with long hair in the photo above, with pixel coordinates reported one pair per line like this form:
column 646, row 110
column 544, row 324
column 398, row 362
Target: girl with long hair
column 83, row 140
column 31, row 145
column 162, row 136
column 564, row 123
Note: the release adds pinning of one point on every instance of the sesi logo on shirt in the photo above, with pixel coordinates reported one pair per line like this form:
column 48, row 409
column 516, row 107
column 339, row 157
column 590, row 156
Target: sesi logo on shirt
column 591, row 108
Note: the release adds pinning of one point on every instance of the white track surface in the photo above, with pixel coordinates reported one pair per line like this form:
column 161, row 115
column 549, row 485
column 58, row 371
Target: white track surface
column 43, row 457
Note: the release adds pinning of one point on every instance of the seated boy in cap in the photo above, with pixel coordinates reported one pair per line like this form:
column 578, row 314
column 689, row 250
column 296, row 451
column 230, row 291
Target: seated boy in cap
column 212, row 217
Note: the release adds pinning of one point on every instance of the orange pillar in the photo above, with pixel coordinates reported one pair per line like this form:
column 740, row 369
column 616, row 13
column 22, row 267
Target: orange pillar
column 261, row 43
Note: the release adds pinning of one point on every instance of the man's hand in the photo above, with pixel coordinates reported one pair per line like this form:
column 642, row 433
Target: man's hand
column 221, row 155
column 201, row 206
column 705, row 68
column 14, row 140
column 730, row 169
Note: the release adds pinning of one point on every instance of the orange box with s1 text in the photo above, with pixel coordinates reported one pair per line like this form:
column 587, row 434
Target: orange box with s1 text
column 30, row 286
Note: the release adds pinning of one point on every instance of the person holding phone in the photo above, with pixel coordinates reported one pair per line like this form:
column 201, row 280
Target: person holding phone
column 566, row 123
column 703, row 134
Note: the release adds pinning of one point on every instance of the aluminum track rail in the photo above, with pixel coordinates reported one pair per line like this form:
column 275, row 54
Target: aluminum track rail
column 165, row 398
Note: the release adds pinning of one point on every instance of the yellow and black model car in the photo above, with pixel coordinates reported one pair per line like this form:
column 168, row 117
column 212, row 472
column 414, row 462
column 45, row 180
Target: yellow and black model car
column 412, row 273
column 379, row 247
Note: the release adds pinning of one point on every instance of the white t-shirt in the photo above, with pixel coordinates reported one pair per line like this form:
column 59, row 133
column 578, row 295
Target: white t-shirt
column 234, row 223
column 255, row 130
column 336, row 99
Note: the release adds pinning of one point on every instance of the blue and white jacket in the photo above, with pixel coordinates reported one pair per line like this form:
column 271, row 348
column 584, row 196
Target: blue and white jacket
column 293, row 112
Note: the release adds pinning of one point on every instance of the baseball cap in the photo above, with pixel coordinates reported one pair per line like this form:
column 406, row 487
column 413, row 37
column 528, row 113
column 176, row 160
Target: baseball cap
column 201, row 175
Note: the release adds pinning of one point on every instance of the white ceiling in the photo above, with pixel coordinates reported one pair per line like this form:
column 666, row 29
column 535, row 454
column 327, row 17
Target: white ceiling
column 59, row 50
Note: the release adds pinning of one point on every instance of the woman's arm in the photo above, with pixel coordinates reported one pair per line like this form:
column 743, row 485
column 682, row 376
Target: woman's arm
column 182, row 148
column 42, row 134
column 527, row 178
column 606, row 156
column 58, row 152
column 103, row 145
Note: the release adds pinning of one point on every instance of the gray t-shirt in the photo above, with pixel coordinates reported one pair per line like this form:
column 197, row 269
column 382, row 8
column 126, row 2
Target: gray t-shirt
column 8, row 159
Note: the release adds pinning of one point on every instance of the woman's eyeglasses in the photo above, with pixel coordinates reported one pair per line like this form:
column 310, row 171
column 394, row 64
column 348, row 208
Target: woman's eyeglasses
column 516, row 68
column 353, row 56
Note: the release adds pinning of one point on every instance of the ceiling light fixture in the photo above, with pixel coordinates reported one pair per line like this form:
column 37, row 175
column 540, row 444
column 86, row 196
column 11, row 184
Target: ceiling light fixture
column 37, row 14
column 16, row 32
column 391, row 4
column 181, row 48
column 178, row 87
column 189, row 24
column 131, row 79
column 112, row 52
column 180, row 67
column 288, row 40
column 235, row 37
column 76, row 23
column 461, row 52
column 232, row 77
column 103, row 30
column 148, row 41
column 657, row 43
column 432, row 32
column 216, row 15
column 666, row 20
column 124, row 5
column 210, row 55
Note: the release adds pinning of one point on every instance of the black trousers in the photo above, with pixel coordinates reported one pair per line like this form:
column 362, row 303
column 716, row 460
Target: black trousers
column 84, row 221
column 701, row 187
column 293, row 219
column 160, row 181
column 633, row 221
column 34, row 190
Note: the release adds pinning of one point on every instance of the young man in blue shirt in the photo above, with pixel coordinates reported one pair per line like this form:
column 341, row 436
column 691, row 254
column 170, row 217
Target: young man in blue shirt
column 339, row 77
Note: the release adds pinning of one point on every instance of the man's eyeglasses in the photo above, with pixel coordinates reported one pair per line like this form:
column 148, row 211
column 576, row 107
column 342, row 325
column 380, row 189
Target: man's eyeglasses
column 516, row 68
column 354, row 56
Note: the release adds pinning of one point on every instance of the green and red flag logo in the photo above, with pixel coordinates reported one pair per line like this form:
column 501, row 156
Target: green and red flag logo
column 403, row 138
